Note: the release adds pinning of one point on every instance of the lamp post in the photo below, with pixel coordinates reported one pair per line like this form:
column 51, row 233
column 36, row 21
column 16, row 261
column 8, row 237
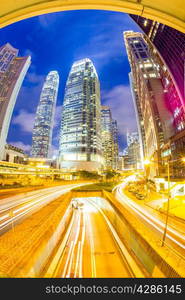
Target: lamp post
column 146, row 164
column 168, row 203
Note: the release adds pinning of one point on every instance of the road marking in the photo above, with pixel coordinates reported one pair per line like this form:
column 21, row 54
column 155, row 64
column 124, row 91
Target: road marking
column 77, row 259
column 93, row 260
column 81, row 249
column 68, row 257
column 74, row 245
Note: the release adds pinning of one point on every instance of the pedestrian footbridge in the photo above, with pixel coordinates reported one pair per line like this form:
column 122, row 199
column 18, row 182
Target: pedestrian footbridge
column 168, row 12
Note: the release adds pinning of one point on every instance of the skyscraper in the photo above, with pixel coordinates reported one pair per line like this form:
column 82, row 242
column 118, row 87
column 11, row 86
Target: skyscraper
column 80, row 139
column 157, row 119
column 132, row 137
column 107, row 136
column 133, row 150
column 12, row 72
column 44, row 119
column 139, row 118
column 167, row 45
column 115, row 144
column 170, row 43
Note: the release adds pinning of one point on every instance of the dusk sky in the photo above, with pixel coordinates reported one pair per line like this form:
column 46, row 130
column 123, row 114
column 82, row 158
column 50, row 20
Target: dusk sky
column 54, row 41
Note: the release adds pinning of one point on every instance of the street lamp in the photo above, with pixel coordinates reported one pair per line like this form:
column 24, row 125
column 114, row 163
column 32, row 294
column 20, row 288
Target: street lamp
column 146, row 164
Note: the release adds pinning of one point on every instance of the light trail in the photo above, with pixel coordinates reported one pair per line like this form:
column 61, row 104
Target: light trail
column 71, row 255
column 80, row 245
column 38, row 200
column 133, row 268
column 93, row 260
column 149, row 218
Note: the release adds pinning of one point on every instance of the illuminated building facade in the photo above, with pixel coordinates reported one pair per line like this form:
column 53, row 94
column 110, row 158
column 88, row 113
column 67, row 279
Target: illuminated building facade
column 12, row 72
column 168, row 47
column 107, row 137
column 80, row 139
column 139, row 118
column 109, row 133
column 44, row 119
column 14, row 154
column 156, row 116
column 133, row 152
column 132, row 138
column 115, row 144
column 170, row 43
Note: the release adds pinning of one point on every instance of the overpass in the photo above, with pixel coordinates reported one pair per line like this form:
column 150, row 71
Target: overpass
column 168, row 12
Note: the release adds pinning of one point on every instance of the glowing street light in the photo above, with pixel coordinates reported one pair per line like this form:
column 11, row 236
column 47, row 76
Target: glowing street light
column 146, row 162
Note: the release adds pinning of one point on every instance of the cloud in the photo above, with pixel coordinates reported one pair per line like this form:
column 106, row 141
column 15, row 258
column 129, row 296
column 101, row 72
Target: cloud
column 54, row 151
column 102, row 48
column 25, row 120
column 120, row 101
column 48, row 19
column 34, row 78
column 107, row 41
column 28, row 52
column 21, row 145
column 29, row 94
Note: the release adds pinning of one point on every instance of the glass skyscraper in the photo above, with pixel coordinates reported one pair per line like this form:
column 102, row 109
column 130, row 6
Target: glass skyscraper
column 149, row 96
column 107, row 136
column 44, row 119
column 12, row 72
column 80, row 139
column 171, row 45
column 115, row 144
column 168, row 47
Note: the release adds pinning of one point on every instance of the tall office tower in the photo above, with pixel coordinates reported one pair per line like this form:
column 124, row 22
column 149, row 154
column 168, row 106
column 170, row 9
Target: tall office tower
column 44, row 119
column 80, row 139
column 139, row 119
column 115, row 144
column 132, row 137
column 170, row 43
column 157, row 118
column 167, row 45
column 134, row 158
column 133, row 150
column 12, row 72
column 107, row 137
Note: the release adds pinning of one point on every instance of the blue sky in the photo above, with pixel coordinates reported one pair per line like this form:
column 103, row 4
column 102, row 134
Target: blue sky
column 54, row 42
